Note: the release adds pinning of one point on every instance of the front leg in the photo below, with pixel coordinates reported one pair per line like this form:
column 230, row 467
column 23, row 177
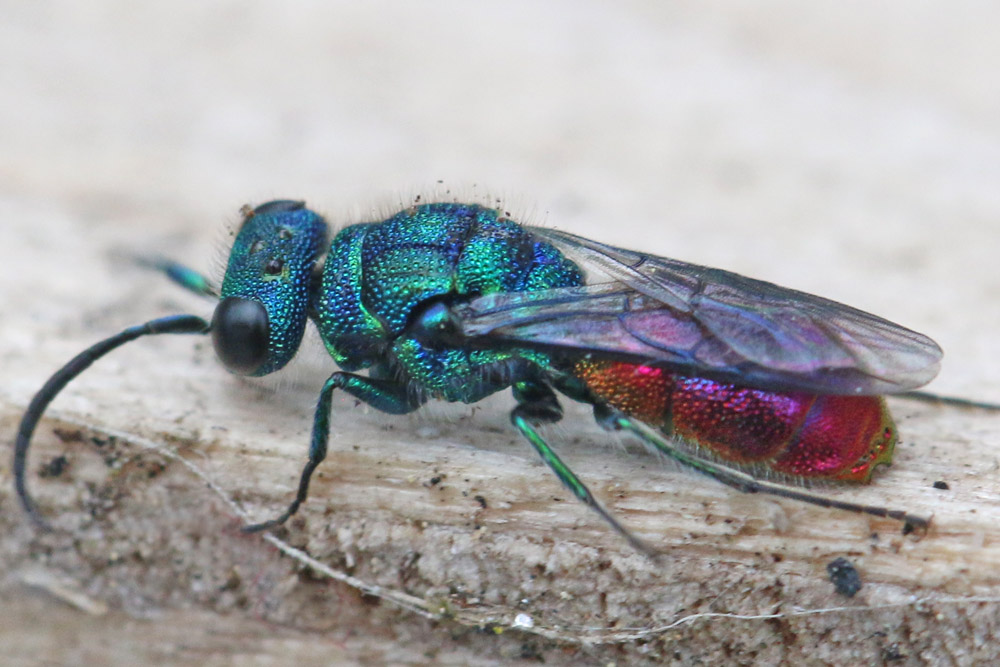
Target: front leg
column 383, row 395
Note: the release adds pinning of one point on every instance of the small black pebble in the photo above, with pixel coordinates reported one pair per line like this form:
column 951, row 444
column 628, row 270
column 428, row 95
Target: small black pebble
column 941, row 485
column 844, row 577
column 55, row 467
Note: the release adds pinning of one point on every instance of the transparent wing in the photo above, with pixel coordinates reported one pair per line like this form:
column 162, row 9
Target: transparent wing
column 707, row 322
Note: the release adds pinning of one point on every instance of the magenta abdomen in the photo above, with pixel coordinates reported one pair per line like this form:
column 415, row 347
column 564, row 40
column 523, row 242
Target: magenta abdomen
column 797, row 434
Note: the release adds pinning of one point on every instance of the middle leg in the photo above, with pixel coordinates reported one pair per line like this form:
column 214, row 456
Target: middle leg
column 537, row 404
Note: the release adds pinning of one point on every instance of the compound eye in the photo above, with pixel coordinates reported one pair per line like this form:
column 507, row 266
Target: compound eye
column 240, row 334
column 279, row 206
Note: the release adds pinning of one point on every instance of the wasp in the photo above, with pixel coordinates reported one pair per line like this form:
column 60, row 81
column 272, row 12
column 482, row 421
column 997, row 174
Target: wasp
column 757, row 386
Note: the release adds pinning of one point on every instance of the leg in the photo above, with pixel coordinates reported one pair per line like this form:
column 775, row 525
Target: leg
column 537, row 404
column 383, row 395
column 927, row 397
column 614, row 420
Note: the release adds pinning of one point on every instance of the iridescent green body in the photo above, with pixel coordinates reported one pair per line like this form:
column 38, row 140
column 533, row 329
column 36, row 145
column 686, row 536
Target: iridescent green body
column 379, row 278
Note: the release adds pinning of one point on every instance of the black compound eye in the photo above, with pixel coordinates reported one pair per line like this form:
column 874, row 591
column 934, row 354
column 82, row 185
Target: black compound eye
column 240, row 333
column 279, row 206
column 274, row 267
column 276, row 207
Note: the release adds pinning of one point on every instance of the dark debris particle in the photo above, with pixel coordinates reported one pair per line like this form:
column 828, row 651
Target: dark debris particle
column 371, row 600
column 481, row 500
column 153, row 470
column 54, row 468
column 941, row 485
column 844, row 576
column 434, row 481
column 531, row 651
column 891, row 653
column 100, row 441
column 68, row 435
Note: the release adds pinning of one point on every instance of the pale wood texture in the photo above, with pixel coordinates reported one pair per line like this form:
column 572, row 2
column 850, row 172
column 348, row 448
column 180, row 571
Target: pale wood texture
column 840, row 151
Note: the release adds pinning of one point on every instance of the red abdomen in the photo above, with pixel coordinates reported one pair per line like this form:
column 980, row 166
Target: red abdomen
column 803, row 435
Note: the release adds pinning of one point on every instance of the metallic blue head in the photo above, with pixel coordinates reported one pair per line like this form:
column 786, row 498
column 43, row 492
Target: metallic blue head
column 258, row 324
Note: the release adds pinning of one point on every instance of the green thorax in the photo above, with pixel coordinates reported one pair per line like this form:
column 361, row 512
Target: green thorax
column 378, row 275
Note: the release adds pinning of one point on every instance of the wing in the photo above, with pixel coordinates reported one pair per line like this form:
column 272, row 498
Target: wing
column 706, row 322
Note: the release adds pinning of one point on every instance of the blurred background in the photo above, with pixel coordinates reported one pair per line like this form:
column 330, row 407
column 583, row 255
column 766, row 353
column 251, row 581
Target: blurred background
column 850, row 149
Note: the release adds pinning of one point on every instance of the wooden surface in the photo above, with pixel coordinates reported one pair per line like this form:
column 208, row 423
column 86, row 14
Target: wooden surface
column 846, row 151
